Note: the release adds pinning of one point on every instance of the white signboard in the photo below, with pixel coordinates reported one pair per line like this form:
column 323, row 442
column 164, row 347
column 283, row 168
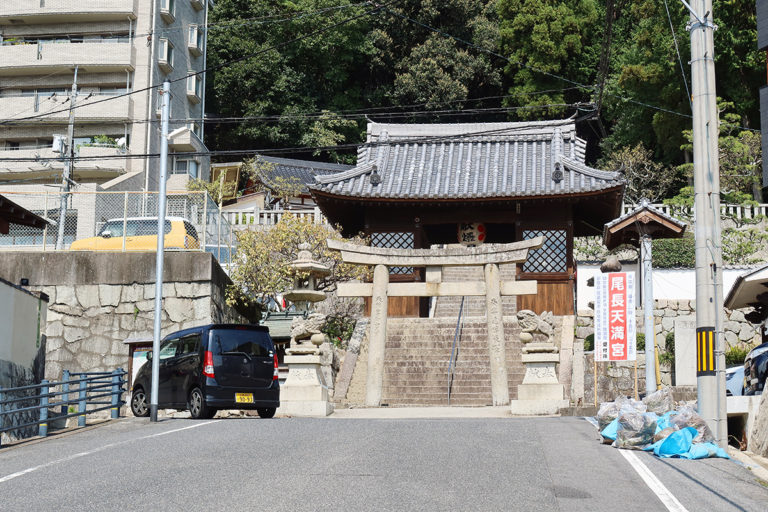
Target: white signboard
column 615, row 324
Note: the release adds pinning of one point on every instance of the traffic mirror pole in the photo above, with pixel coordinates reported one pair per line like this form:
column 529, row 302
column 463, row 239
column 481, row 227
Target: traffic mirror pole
column 166, row 95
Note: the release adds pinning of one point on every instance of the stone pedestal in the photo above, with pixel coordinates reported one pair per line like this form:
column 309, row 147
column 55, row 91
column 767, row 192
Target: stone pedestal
column 540, row 393
column 304, row 392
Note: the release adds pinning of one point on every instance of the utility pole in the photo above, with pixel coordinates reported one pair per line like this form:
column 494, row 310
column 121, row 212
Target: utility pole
column 166, row 92
column 69, row 156
column 710, row 369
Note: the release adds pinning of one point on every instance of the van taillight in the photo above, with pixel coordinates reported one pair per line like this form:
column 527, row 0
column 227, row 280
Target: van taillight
column 274, row 373
column 208, row 364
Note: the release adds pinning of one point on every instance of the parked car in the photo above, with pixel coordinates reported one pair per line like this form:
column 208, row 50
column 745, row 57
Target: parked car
column 212, row 367
column 140, row 235
column 734, row 381
column 756, row 370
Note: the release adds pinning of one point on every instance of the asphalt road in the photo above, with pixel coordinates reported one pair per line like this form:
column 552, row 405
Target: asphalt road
column 294, row 464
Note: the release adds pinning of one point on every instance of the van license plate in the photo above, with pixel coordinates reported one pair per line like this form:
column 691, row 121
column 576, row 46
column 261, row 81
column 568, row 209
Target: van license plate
column 244, row 398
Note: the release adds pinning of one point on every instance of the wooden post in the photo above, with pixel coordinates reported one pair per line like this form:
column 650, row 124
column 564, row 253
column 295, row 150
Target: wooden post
column 498, row 361
column 378, row 336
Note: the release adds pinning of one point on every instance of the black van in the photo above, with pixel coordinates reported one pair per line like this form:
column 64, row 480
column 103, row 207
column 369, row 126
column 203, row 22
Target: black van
column 212, row 367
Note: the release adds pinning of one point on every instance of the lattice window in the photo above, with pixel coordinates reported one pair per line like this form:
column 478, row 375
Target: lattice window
column 397, row 240
column 552, row 256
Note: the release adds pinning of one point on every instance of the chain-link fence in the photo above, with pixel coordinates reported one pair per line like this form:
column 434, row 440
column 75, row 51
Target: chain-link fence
column 123, row 221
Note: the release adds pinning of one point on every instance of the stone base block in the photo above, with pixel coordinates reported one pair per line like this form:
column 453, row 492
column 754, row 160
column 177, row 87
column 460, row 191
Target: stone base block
column 305, row 408
column 538, row 392
column 537, row 407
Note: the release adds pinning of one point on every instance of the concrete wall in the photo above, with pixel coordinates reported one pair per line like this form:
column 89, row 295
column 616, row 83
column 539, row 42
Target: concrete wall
column 22, row 342
column 98, row 300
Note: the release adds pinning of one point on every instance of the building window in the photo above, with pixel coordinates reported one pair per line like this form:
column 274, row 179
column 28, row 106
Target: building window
column 168, row 10
column 166, row 55
column 190, row 167
column 194, row 88
column 550, row 257
column 397, row 240
column 195, row 40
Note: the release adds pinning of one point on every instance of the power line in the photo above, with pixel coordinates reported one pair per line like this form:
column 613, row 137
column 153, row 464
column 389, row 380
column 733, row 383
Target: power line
column 375, row 9
column 306, row 149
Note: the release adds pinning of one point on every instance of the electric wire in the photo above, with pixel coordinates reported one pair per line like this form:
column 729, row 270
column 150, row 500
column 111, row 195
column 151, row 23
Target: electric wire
column 679, row 59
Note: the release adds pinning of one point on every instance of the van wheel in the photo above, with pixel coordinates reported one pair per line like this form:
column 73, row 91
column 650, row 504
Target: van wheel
column 266, row 412
column 196, row 405
column 139, row 406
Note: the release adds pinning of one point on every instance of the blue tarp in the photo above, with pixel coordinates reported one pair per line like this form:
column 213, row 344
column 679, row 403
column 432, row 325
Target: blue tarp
column 677, row 444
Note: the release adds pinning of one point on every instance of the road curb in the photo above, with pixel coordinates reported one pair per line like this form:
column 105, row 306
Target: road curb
column 56, row 434
column 758, row 465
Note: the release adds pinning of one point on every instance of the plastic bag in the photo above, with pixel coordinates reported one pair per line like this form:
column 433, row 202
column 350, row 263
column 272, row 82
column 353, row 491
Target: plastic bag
column 663, row 434
column 660, row 401
column 636, row 429
column 609, row 411
column 688, row 417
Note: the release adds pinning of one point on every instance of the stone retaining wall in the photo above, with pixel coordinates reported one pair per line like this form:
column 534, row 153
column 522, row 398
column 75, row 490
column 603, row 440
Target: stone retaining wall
column 98, row 300
column 738, row 331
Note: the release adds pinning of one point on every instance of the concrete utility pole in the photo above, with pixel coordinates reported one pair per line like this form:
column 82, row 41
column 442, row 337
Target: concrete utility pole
column 166, row 92
column 706, row 181
column 69, row 163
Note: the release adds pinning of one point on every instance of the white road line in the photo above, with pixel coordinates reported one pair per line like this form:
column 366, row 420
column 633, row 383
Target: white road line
column 658, row 488
column 96, row 450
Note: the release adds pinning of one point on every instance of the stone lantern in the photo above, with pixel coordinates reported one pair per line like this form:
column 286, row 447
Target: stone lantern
column 308, row 273
column 305, row 393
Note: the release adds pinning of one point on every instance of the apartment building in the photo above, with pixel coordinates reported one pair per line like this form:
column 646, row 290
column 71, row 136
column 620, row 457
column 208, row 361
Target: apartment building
column 117, row 47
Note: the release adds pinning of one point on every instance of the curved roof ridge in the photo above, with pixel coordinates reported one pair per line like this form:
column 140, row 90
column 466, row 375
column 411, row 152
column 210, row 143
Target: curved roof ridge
column 586, row 170
column 344, row 175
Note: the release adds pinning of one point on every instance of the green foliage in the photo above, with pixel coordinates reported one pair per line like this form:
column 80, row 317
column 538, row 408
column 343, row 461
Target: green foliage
column 263, row 260
column 542, row 38
column 736, row 355
column 667, row 356
column 645, row 177
column 674, row 253
column 589, row 342
column 339, row 329
column 640, row 341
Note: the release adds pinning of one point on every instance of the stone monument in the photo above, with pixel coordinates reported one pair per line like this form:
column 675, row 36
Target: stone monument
column 540, row 391
column 305, row 392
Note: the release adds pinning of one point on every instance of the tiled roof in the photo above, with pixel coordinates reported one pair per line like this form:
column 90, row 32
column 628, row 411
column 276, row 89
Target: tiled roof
column 644, row 205
column 304, row 170
column 488, row 160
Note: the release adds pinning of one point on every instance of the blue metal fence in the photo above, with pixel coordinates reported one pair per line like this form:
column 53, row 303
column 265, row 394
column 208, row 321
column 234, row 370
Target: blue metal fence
column 76, row 395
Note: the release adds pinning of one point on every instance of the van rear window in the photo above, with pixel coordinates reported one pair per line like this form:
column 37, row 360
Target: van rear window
column 236, row 341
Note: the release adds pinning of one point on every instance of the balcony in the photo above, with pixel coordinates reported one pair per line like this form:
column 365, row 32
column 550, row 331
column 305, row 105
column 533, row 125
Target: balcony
column 51, row 57
column 20, row 12
column 44, row 164
column 114, row 109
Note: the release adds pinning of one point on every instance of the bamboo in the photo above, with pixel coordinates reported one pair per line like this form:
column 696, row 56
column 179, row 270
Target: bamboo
column 636, row 397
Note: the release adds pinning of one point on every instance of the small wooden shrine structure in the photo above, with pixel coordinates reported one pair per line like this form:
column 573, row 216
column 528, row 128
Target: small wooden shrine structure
column 416, row 185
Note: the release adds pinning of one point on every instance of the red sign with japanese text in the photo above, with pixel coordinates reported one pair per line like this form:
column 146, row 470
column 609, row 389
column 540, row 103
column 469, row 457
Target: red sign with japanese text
column 615, row 328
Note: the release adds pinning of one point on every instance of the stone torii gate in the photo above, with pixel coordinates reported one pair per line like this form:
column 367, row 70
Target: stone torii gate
column 434, row 260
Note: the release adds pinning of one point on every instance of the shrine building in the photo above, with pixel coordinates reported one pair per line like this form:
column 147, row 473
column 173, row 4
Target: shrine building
column 418, row 185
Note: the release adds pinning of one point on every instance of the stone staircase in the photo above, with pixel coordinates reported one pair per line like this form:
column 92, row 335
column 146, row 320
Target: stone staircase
column 417, row 356
column 448, row 307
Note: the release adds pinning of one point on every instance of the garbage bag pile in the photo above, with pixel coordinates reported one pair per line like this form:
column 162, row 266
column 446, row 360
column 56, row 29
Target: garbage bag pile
column 655, row 425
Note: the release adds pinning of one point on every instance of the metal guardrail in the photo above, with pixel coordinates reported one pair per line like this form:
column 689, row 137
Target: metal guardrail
column 455, row 349
column 28, row 406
